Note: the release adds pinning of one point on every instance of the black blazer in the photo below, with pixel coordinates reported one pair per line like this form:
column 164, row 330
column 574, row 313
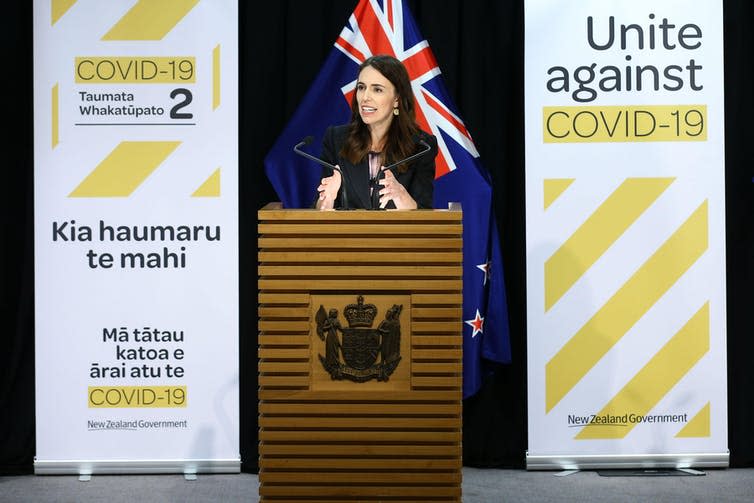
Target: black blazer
column 418, row 178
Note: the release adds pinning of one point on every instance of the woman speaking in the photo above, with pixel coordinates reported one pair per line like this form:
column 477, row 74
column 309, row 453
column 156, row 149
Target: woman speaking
column 382, row 131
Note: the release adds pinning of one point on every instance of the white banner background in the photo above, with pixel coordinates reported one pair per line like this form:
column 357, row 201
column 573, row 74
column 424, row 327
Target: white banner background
column 86, row 177
column 603, row 343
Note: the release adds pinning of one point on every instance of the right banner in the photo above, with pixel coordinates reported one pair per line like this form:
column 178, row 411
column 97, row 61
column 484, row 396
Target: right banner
column 625, row 234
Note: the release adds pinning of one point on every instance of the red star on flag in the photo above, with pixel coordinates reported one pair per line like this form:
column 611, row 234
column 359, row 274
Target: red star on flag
column 486, row 268
column 477, row 324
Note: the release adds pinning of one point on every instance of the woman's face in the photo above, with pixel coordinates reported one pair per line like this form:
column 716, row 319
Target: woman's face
column 376, row 98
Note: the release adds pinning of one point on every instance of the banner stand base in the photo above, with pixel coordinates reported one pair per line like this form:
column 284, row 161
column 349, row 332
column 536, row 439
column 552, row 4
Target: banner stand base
column 651, row 472
column 127, row 467
column 627, row 461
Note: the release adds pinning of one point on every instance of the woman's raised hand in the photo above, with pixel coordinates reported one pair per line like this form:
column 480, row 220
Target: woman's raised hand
column 328, row 191
column 393, row 190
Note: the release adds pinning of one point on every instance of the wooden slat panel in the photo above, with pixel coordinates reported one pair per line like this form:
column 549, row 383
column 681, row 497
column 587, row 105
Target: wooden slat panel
column 283, row 340
column 363, row 422
column 453, row 313
column 302, row 463
column 284, row 326
column 366, row 409
column 440, row 340
column 283, row 298
column 436, row 354
column 453, row 298
column 283, row 312
column 370, row 396
column 276, row 380
column 435, row 382
column 273, row 213
column 378, row 499
column 280, row 367
column 348, row 229
column 398, row 451
column 453, row 437
column 424, row 257
column 286, row 354
column 327, row 270
column 357, row 243
column 372, row 443
column 447, row 327
column 361, row 492
column 354, row 478
column 437, row 368
column 360, row 284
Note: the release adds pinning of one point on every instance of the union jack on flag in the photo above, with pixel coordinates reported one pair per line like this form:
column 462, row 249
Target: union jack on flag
column 387, row 27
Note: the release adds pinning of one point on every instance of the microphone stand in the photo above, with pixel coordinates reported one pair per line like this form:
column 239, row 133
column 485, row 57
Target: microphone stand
column 344, row 191
column 423, row 143
column 375, row 182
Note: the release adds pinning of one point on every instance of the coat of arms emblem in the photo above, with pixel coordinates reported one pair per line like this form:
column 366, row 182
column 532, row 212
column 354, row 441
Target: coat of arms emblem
column 363, row 352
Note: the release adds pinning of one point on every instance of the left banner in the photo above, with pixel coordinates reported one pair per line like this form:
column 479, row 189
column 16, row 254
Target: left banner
column 136, row 236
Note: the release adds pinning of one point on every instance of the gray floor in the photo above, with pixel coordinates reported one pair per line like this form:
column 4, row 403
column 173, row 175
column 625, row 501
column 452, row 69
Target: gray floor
column 483, row 486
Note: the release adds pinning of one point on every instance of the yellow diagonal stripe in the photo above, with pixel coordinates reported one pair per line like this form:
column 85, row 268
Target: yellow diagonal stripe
column 553, row 187
column 127, row 166
column 216, row 77
column 210, row 187
column 699, row 426
column 655, row 379
column 55, row 109
column 150, row 19
column 626, row 307
column 59, row 8
column 598, row 233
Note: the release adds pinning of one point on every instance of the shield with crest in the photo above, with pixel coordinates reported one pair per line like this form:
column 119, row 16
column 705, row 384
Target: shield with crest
column 361, row 347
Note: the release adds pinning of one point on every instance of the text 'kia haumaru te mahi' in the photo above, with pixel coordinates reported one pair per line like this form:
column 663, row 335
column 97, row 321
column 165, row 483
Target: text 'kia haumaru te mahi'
column 70, row 232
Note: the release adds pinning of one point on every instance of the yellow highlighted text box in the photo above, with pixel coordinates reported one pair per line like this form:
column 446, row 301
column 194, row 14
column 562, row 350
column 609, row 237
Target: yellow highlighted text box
column 600, row 124
column 136, row 397
column 135, row 70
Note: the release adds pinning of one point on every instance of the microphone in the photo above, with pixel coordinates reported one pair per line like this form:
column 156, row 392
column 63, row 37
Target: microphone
column 375, row 182
column 331, row 167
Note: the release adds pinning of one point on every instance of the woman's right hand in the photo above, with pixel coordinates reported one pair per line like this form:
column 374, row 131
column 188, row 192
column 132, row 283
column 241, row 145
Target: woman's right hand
column 328, row 191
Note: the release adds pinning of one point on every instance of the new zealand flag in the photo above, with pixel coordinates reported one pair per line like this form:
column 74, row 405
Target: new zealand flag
column 387, row 27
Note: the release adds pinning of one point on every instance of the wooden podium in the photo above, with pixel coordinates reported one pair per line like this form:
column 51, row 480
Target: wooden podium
column 360, row 353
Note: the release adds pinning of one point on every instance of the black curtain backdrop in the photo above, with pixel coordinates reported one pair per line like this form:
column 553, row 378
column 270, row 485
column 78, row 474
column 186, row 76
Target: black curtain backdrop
column 479, row 47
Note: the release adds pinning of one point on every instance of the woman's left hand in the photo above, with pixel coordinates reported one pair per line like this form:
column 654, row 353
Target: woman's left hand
column 392, row 190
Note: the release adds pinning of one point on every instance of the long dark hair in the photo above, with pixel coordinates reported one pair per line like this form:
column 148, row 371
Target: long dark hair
column 400, row 141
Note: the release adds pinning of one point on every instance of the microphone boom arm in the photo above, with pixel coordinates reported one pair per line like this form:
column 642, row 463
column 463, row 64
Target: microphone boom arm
column 427, row 148
column 344, row 192
column 326, row 164
column 374, row 182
